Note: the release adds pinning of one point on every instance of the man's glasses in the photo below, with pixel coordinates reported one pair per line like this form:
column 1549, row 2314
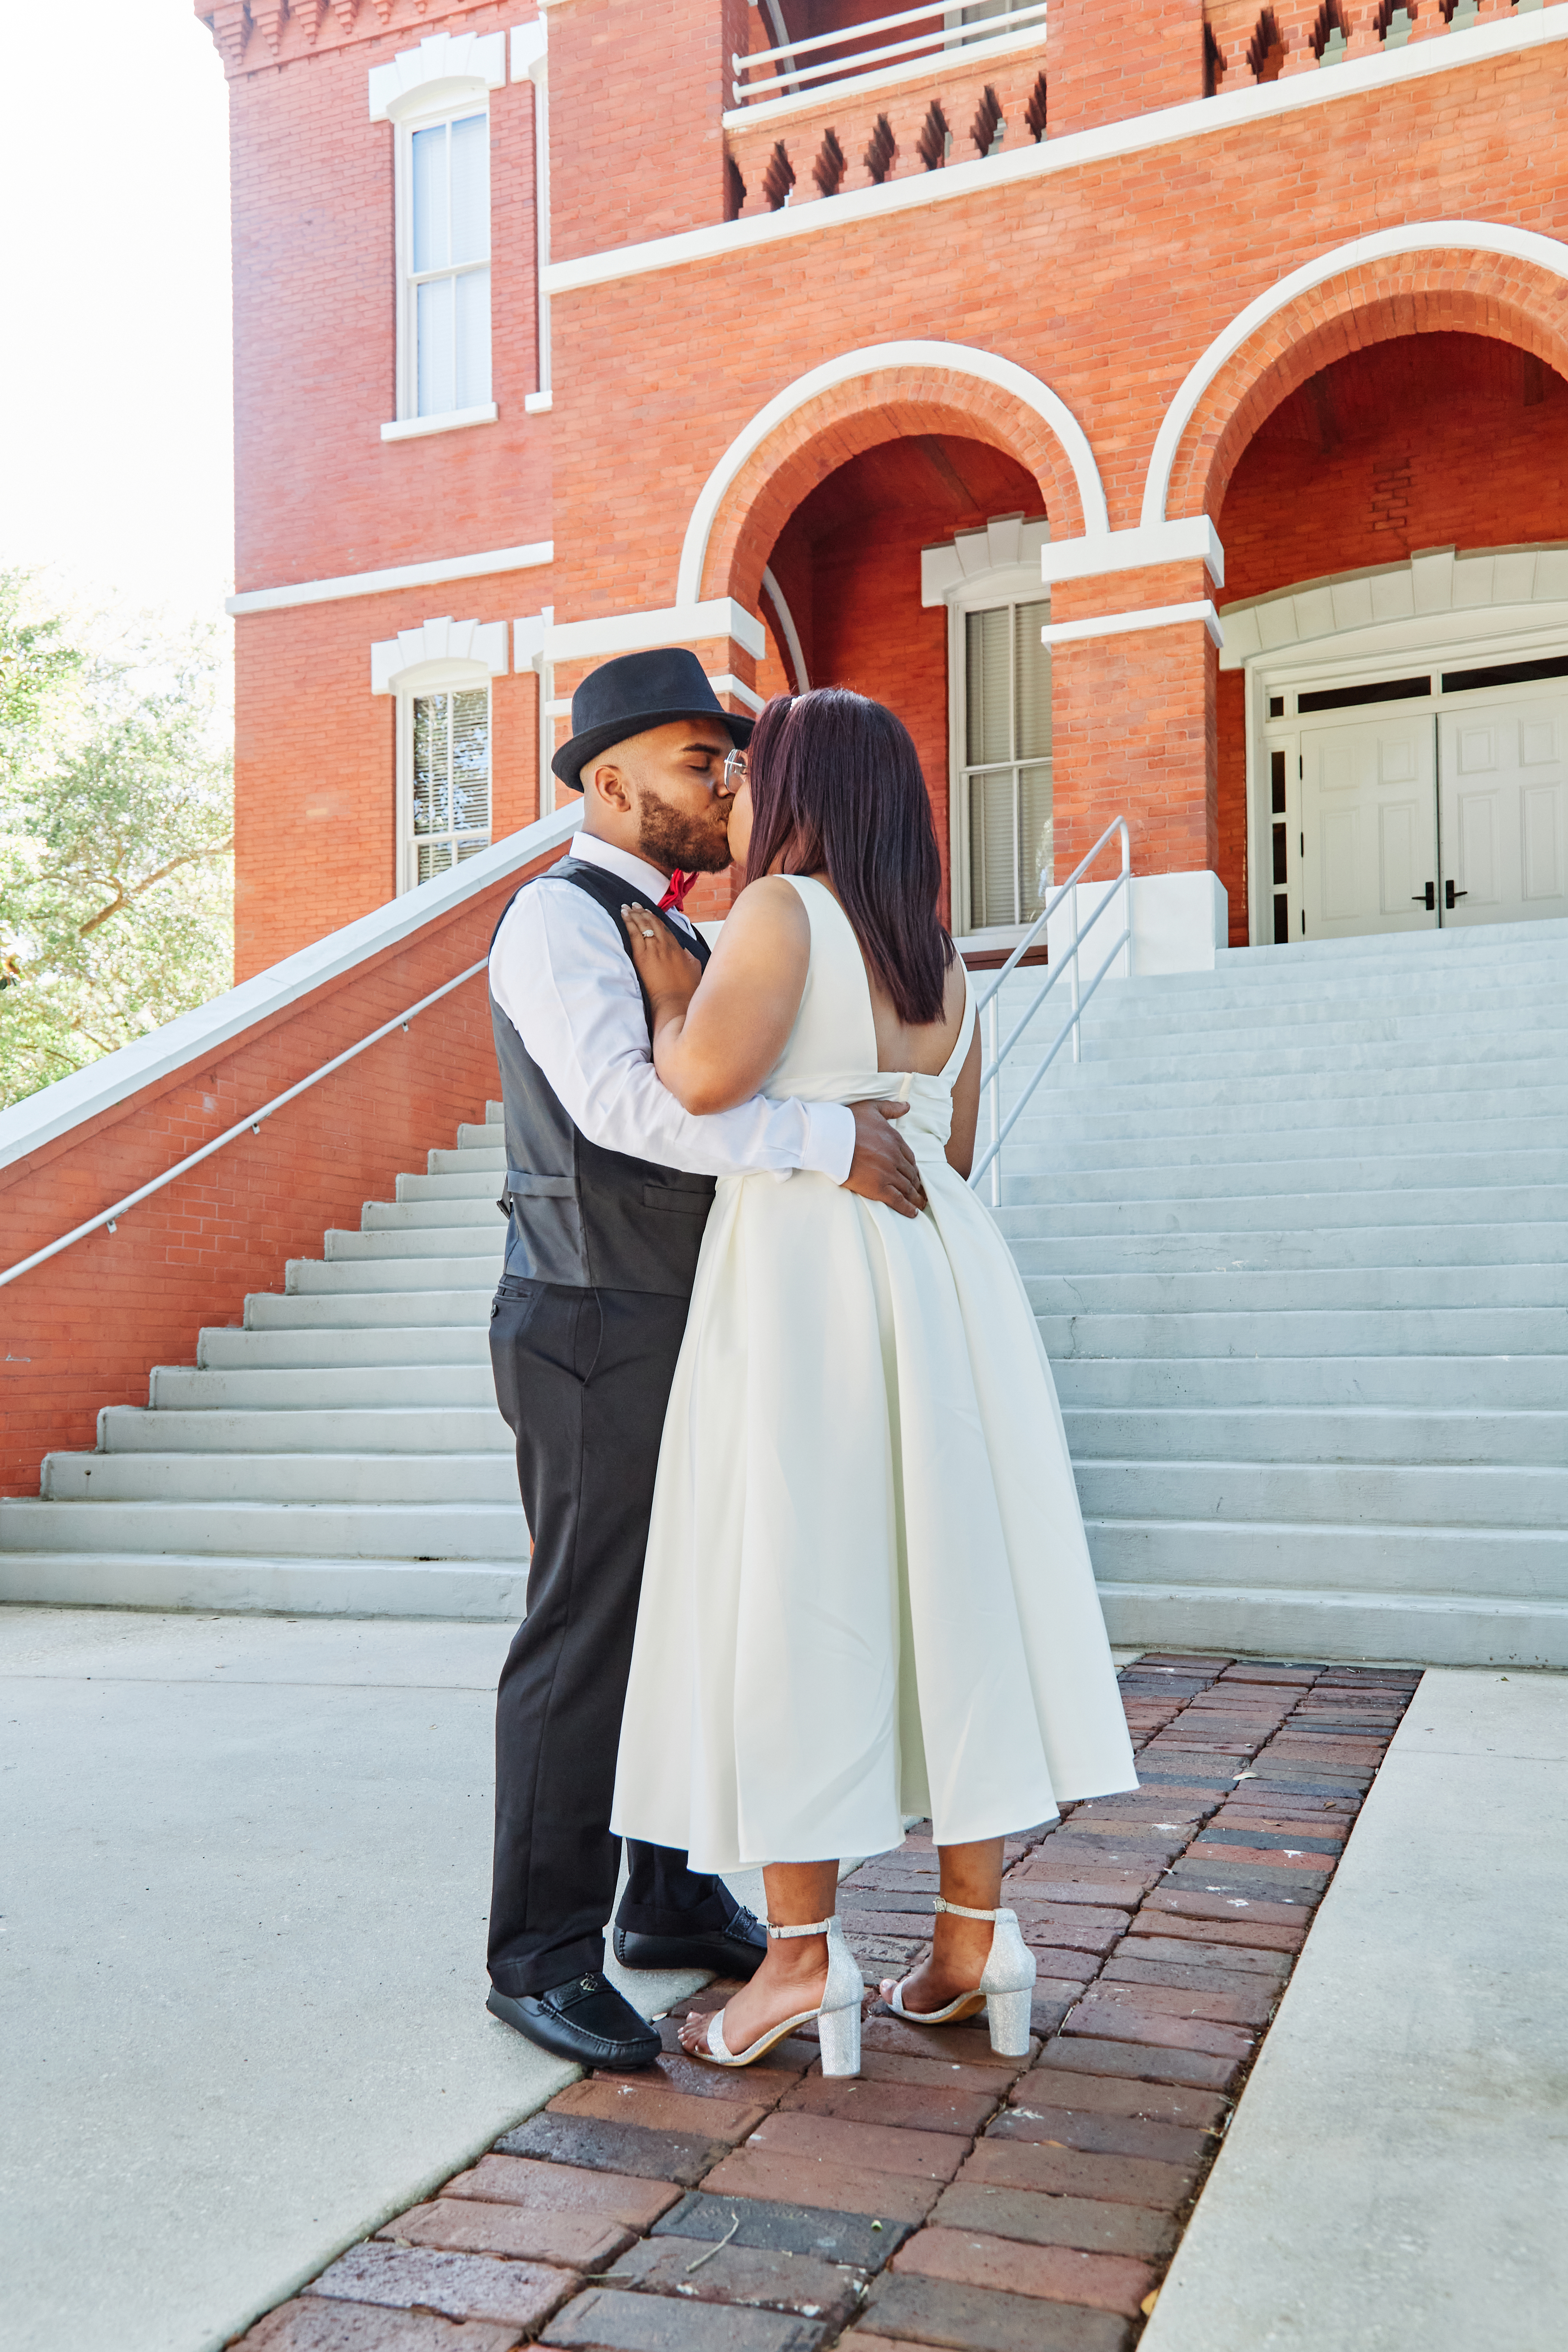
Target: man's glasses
column 736, row 772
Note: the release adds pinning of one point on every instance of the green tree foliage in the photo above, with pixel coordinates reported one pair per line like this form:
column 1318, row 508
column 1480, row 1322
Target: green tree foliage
column 116, row 829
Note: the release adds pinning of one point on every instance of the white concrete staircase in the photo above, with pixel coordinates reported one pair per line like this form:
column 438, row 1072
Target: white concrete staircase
column 1297, row 1234
column 342, row 1452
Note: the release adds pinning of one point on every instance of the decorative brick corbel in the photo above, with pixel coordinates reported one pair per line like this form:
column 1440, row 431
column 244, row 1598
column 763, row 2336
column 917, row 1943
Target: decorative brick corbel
column 345, row 12
column 310, row 14
column 229, row 25
column 268, row 17
column 384, row 10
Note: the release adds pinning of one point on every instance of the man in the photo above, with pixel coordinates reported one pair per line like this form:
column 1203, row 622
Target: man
column 608, row 1187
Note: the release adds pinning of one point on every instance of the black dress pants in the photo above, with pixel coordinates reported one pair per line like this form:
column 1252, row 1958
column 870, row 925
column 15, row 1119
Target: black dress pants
column 582, row 1378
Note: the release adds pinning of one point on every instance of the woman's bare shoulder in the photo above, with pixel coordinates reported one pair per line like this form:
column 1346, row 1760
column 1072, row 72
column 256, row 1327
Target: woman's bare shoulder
column 772, row 902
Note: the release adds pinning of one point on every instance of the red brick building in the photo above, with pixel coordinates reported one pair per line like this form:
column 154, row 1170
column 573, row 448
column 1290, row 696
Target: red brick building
column 862, row 345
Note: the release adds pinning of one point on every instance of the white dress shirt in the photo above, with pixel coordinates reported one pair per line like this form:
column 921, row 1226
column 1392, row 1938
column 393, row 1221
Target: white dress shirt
column 567, row 985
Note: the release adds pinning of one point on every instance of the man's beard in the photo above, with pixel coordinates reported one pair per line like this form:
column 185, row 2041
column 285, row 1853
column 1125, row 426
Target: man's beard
column 670, row 839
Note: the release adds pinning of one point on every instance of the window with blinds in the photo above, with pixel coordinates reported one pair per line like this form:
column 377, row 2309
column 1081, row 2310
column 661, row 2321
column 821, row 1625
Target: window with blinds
column 448, row 316
column 1007, row 762
column 451, row 796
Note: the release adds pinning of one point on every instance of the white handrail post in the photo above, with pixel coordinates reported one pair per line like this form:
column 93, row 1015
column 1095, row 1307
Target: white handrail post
column 1073, row 981
column 993, row 1029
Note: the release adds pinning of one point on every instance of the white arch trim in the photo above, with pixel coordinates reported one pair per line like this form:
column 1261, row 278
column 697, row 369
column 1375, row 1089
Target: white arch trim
column 1547, row 253
column 792, row 635
column 958, row 359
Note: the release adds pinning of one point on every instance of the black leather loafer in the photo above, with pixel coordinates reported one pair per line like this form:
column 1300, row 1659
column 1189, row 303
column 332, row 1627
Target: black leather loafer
column 585, row 2020
column 736, row 1950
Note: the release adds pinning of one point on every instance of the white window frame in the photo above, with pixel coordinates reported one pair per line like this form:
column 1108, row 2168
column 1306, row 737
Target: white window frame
column 441, row 656
column 434, row 677
column 975, row 572
column 448, row 76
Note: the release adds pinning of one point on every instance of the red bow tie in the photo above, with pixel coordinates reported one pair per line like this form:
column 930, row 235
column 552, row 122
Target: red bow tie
column 680, row 883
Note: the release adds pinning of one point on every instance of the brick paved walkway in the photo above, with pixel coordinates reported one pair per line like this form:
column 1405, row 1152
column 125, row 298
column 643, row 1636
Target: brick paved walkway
column 946, row 2197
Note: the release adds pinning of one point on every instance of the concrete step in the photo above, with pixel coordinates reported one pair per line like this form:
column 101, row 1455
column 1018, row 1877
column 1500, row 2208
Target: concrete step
column 1296, row 1434
column 277, row 1390
column 1359, row 1093
column 468, row 1184
column 1411, row 1627
column 1472, row 1563
column 1336, row 1494
column 1353, row 1289
column 310, row 1347
column 320, row 1425
column 1411, row 1331
column 1169, row 1179
column 1116, row 1021
column 1225, row 1218
column 1297, row 1249
column 379, row 1479
column 344, row 1307
column 475, row 1589
column 409, row 1531
column 1312, row 1382
column 1362, row 1066
column 394, row 1274
column 1076, row 1134
column 487, row 1159
column 423, row 1245
column 438, row 1216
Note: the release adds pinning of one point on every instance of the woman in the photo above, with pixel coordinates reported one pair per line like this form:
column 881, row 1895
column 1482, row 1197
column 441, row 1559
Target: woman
column 868, row 1595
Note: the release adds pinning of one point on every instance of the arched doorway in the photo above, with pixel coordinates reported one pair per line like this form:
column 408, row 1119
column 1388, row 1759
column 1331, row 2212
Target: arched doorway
column 911, row 573
column 1394, row 699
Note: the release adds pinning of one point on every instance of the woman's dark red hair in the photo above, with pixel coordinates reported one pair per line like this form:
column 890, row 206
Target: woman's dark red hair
column 836, row 788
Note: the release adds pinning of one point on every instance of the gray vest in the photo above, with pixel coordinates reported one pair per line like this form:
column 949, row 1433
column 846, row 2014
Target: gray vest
column 581, row 1215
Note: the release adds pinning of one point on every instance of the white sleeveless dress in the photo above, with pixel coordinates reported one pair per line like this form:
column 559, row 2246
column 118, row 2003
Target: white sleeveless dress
column 868, row 1595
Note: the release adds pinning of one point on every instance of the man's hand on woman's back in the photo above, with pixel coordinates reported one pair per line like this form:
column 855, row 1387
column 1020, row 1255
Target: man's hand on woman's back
column 884, row 1168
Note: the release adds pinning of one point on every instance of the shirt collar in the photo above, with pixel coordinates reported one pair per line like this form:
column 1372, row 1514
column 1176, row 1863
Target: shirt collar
column 622, row 863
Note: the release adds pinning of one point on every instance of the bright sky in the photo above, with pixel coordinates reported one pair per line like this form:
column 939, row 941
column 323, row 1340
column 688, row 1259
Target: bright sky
column 116, row 433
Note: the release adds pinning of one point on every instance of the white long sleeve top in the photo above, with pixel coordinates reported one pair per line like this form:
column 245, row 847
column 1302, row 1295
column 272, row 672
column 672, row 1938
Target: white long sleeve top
column 565, row 982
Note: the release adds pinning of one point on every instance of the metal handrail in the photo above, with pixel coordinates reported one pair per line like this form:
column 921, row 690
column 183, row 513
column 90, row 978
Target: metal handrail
column 111, row 1216
column 969, row 35
column 988, row 1001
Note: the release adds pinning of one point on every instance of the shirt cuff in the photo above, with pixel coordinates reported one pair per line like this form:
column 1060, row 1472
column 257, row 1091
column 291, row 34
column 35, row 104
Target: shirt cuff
column 829, row 1145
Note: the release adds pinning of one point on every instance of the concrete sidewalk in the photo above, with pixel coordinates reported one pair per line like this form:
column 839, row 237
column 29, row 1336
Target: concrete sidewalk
column 1397, row 2171
column 245, row 1867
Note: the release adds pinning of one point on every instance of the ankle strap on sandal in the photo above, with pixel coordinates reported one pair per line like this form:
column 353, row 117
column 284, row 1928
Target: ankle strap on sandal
column 814, row 1927
column 961, row 1911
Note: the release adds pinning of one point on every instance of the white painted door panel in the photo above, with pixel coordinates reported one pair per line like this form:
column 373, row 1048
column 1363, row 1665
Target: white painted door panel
column 1369, row 845
column 1504, row 785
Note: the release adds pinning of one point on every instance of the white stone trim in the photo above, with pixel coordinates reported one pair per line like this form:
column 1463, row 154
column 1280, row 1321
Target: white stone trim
column 999, row 561
column 1167, row 126
column 1436, row 582
column 728, row 682
column 791, row 634
column 1415, row 236
column 410, row 428
column 1132, row 550
column 531, row 62
column 445, row 67
column 1120, row 625
column 538, row 403
column 876, row 358
column 399, row 575
column 197, row 1039
column 672, row 624
column 479, row 643
column 867, row 85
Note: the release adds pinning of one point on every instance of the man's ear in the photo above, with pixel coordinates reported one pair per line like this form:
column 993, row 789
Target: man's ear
column 608, row 783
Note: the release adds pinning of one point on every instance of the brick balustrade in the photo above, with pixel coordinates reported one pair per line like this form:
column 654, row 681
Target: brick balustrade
column 946, row 2197
column 85, row 1330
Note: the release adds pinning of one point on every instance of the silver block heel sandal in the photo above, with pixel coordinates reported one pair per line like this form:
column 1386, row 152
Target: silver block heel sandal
column 1004, row 1991
column 837, row 2019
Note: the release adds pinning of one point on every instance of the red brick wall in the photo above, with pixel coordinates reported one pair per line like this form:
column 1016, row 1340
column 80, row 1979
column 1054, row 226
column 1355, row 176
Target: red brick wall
column 315, row 772
column 1106, row 64
column 86, row 1329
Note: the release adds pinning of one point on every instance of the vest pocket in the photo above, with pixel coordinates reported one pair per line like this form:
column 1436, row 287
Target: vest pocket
column 682, row 1202
column 521, row 1185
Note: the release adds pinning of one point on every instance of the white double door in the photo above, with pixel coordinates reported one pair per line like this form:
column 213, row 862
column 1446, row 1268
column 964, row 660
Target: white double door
column 1413, row 820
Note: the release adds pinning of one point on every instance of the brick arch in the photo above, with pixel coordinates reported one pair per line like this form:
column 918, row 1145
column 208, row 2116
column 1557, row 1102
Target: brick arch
column 1511, row 287
column 753, row 492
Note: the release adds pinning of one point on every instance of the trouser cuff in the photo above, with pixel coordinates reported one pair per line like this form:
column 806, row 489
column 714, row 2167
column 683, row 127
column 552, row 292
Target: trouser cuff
column 537, row 1972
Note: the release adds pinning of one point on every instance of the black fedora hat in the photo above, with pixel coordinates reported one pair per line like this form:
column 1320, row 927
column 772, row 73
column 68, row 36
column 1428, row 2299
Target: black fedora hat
column 630, row 696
